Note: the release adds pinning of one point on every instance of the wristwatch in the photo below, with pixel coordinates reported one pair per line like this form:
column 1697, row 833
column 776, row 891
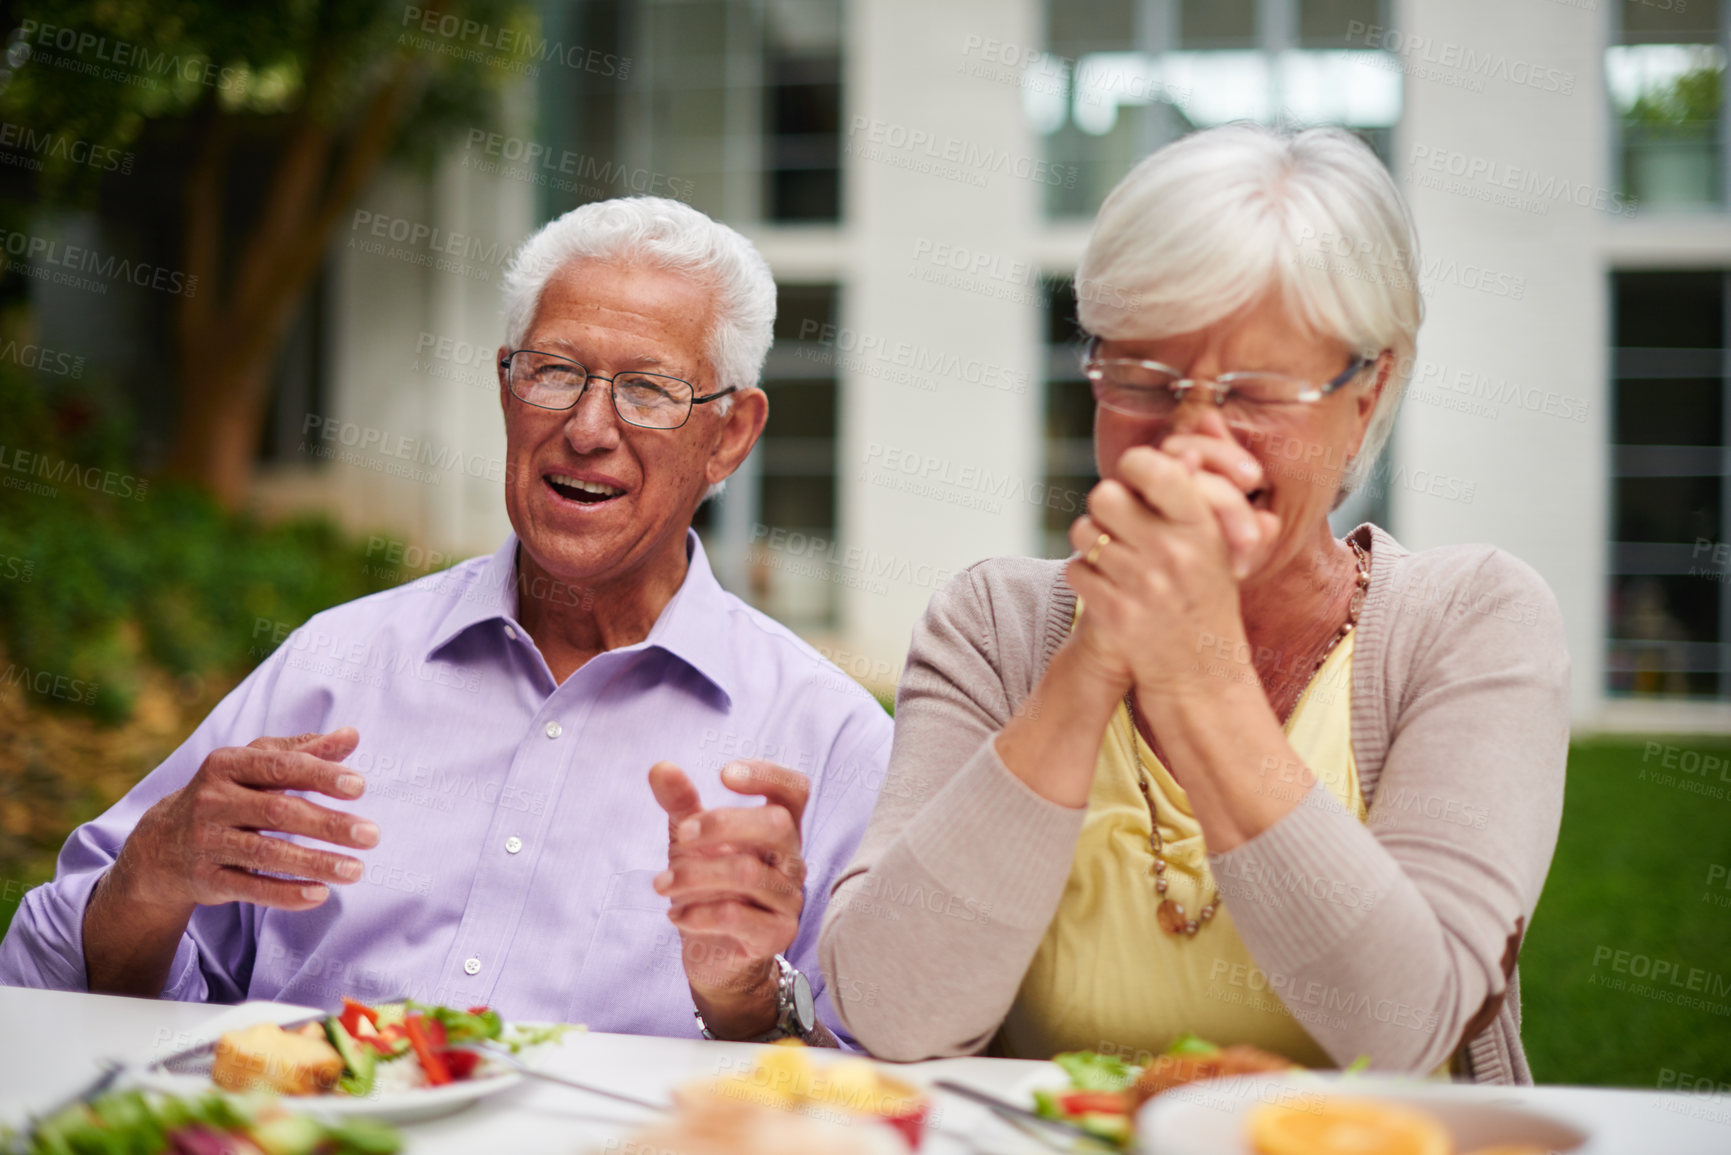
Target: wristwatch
column 795, row 1011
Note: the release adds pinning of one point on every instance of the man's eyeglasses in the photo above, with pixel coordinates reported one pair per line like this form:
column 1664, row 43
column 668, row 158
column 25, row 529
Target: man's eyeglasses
column 1151, row 389
column 649, row 400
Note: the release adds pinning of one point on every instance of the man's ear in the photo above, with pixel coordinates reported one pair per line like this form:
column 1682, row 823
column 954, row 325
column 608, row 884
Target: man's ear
column 740, row 429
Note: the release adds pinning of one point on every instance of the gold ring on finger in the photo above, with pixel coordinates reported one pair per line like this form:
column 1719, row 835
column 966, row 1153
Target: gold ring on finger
column 1100, row 543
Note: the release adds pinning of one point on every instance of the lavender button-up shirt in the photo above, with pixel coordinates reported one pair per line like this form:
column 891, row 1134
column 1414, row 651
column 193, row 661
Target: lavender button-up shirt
column 519, row 835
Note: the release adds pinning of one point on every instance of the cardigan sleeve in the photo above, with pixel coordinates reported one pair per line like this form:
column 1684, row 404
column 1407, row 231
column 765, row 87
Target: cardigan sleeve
column 1398, row 936
column 935, row 921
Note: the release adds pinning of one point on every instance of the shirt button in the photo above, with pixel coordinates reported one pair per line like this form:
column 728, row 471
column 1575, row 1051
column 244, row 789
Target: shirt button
column 554, row 729
column 472, row 966
column 513, row 844
column 510, row 633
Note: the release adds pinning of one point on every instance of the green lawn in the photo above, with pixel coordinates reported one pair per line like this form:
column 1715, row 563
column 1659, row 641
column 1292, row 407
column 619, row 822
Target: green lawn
column 1635, row 872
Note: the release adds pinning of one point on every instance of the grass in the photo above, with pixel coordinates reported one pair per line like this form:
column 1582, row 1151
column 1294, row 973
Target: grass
column 1635, row 871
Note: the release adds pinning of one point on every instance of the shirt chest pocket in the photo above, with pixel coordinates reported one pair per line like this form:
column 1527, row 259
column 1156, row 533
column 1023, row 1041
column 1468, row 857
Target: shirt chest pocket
column 632, row 979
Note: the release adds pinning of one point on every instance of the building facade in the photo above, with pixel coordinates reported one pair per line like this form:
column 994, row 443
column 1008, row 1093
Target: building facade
column 921, row 176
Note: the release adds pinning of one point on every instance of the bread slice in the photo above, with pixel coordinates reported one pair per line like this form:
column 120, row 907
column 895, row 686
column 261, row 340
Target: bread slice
column 266, row 1057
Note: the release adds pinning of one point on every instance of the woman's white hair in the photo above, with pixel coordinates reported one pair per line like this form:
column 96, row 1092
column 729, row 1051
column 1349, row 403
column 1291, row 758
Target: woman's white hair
column 663, row 234
column 1213, row 222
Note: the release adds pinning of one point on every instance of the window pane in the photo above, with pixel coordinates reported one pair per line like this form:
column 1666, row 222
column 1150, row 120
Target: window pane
column 791, row 567
column 1669, row 310
column 1677, row 509
column 1217, row 24
column 1666, row 602
column 1668, row 412
column 1328, row 23
column 802, row 110
column 1069, row 436
column 1666, row 75
column 1664, row 633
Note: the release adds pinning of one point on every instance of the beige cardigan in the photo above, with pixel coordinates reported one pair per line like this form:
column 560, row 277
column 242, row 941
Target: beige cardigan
column 1460, row 730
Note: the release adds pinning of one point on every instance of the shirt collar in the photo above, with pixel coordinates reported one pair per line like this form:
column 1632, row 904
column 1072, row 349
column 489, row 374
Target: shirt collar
column 691, row 627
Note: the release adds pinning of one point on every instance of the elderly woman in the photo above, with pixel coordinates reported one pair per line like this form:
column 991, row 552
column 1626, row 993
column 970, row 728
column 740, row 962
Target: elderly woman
column 1222, row 772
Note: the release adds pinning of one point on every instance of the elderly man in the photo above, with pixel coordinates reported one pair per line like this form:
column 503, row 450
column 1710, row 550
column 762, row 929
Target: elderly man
column 479, row 740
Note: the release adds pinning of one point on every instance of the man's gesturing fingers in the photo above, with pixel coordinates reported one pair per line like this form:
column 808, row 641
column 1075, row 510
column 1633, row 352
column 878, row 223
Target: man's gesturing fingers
column 788, row 789
column 308, row 762
column 734, row 878
column 675, row 794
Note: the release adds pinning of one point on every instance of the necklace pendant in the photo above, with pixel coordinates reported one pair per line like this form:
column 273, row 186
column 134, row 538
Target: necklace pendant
column 1171, row 917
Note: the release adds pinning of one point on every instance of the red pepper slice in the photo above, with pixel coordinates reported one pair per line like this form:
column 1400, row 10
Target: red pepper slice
column 477, row 1010
column 461, row 1064
column 426, row 1050
column 352, row 1015
column 1093, row 1102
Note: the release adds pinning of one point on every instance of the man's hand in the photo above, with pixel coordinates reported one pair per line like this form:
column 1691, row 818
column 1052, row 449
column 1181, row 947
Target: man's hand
column 737, row 883
column 206, row 844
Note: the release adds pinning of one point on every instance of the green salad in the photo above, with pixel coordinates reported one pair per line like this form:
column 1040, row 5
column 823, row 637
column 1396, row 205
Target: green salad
column 135, row 1123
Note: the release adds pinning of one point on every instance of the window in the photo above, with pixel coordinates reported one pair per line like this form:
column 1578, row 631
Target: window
column 1069, row 420
column 774, row 531
column 1666, row 77
column 1121, row 77
column 1670, row 569
column 734, row 107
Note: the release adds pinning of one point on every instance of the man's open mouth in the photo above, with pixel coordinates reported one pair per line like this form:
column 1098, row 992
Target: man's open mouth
column 583, row 492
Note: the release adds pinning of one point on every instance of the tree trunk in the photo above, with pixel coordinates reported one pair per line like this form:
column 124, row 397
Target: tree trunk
column 227, row 344
column 222, row 411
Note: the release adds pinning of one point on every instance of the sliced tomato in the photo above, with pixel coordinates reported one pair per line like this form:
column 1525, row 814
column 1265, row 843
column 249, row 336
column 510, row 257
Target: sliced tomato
column 477, row 1010
column 427, row 1050
column 352, row 1015
column 1093, row 1103
column 461, row 1064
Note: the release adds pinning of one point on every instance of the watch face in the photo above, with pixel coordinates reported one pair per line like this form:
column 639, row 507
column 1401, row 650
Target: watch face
column 803, row 1007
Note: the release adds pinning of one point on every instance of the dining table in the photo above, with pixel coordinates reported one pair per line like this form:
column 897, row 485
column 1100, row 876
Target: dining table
column 53, row 1043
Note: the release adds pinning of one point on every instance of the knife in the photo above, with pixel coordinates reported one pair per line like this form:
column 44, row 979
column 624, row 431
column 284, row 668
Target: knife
column 1027, row 1120
column 197, row 1060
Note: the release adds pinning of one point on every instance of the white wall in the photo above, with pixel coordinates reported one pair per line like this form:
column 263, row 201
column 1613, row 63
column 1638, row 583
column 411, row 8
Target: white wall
column 959, row 431
column 1539, row 480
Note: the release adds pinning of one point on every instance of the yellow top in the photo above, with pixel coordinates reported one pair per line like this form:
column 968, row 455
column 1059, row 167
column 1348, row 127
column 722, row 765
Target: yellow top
column 1106, row 977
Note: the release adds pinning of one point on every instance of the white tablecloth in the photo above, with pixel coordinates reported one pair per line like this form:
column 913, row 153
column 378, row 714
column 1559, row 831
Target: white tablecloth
column 50, row 1042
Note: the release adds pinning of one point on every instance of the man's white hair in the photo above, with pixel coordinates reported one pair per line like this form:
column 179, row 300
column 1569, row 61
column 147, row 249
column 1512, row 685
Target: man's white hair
column 1212, row 222
column 664, row 234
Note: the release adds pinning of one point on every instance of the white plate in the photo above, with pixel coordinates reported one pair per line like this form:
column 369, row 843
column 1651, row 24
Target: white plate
column 1208, row 1118
column 398, row 1107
